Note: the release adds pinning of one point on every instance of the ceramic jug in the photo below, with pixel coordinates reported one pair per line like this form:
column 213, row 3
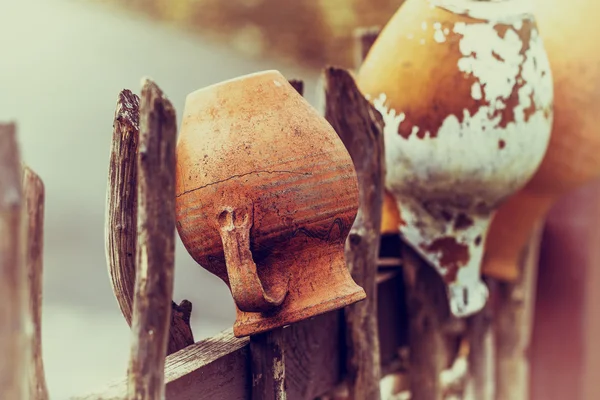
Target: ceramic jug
column 465, row 89
column 573, row 156
column 266, row 195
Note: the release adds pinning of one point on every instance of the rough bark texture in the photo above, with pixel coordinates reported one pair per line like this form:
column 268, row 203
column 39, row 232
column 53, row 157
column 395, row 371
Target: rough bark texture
column 482, row 355
column 360, row 127
column 155, row 245
column 34, row 194
column 13, row 287
column 514, row 325
column 428, row 311
column 121, row 220
column 121, row 207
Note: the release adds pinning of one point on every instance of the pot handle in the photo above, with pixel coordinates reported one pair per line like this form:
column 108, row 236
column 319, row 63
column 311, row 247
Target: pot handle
column 248, row 291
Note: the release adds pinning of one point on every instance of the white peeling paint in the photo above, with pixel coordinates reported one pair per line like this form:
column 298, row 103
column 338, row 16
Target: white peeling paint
column 478, row 158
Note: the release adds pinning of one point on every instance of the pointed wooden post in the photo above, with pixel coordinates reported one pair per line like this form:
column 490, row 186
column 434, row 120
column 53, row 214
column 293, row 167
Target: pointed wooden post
column 33, row 194
column 121, row 220
column 155, row 253
column 13, row 286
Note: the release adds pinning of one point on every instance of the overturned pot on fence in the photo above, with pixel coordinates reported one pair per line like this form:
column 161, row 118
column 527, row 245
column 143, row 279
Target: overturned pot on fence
column 266, row 196
column 466, row 93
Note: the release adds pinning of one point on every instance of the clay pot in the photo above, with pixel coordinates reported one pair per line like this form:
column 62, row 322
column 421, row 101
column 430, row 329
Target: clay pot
column 465, row 90
column 573, row 157
column 266, row 196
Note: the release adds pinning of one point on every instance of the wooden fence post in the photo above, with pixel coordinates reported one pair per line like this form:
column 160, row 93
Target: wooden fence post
column 13, row 287
column 155, row 245
column 514, row 325
column 267, row 350
column 33, row 194
column 121, row 220
column 360, row 127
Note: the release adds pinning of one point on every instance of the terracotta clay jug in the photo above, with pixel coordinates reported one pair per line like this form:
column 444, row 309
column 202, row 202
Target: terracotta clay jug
column 266, row 196
column 465, row 89
column 573, row 156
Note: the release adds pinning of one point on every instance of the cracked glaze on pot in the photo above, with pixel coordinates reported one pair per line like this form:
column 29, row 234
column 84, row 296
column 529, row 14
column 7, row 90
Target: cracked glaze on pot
column 266, row 196
column 466, row 92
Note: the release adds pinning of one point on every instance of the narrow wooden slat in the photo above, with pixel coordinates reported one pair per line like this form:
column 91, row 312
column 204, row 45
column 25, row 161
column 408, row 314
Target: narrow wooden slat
column 360, row 127
column 34, row 194
column 365, row 38
column 121, row 201
column 514, row 325
column 155, row 245
column 428, row 311
column 219, row 367
column 482, row 355
column 13, row 287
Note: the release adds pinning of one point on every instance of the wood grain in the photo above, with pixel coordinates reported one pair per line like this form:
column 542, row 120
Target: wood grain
column 428, row 311
column 13, row 287
column 155, row 245
column 121, row 220
column 267, row 360
column 34, row 195
column 514, row 325
column 360, row 127
column 121, row 201
column 219, row 367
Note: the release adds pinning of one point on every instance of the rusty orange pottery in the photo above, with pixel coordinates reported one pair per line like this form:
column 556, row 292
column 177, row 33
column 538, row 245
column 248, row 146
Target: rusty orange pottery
column 465, row 90
column 266, row 195
column 573, row 156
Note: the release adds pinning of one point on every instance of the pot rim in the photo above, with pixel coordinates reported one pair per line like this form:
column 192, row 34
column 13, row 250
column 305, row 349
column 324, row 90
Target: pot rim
column 235, row 80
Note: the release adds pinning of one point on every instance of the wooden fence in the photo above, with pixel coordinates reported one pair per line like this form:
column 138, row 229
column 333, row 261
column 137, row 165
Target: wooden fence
column 402, row 332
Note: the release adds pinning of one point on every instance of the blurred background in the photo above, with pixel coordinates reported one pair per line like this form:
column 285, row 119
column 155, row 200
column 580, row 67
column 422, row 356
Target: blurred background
column 62, row 64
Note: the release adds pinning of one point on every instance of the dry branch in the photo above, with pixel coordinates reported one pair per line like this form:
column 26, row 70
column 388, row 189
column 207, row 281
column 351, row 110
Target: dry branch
column 360, row 127
column 121, row 220
column 514, row 323
column 155, row 245
column 13, row 287
column 34, row 194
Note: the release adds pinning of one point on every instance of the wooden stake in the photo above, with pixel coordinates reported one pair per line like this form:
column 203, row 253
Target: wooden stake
column 155, row 245
column 482, row 354
column 267, row 350
column 514, row 323
column 428, row 312
column 360, row 127
column 33, row 193
column 121, row 220
column 13, row 287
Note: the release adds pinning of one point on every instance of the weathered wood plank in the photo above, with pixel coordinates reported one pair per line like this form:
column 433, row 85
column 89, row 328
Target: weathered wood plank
column 155, row 256
column 267, row 361
column 219, row 367
column 121, row 201
column 365, row 37
column 360, row 127
column 121, row 220
column 34, row 195
column 13, row 288
column 428, row 312
column 514, row 325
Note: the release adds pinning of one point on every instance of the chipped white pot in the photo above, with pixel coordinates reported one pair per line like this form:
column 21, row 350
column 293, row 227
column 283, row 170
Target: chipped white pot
column 466, row 92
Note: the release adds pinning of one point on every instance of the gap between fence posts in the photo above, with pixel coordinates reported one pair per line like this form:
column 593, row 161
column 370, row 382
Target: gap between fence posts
column 360, row 128
column 155, row 255
column 13, row 287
